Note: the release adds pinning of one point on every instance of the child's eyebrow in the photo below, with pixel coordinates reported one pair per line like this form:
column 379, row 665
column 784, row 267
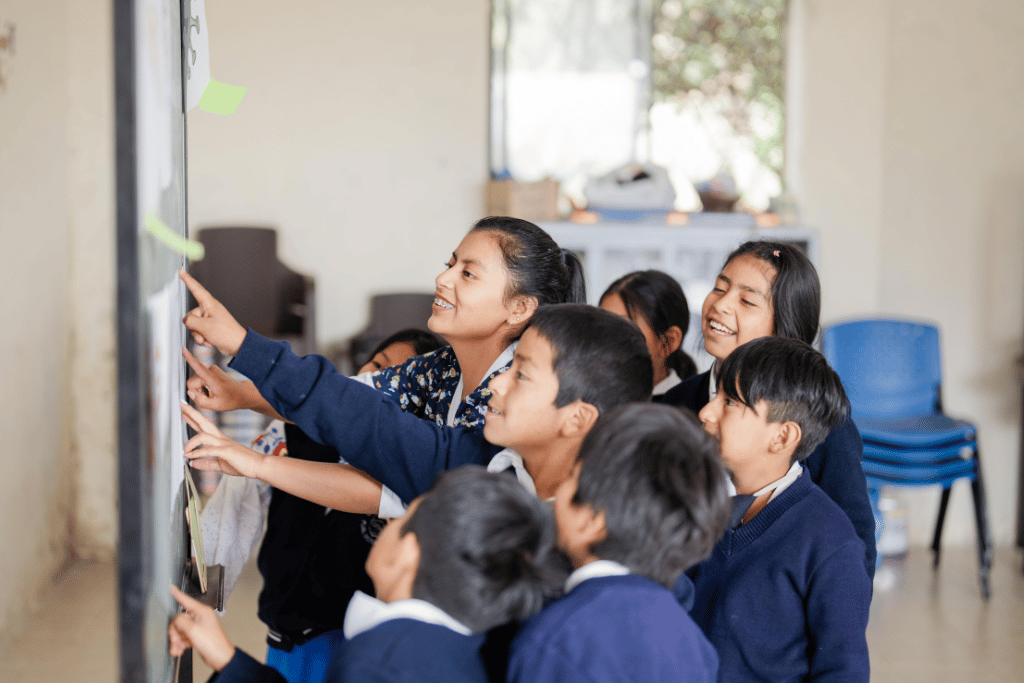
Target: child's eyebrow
column 746, row 288
column 469, row 261
column 523, row 358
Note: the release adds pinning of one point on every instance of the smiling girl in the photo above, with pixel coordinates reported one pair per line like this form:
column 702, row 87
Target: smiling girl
column 772, row 289
column 656, row 303
column 498, row 275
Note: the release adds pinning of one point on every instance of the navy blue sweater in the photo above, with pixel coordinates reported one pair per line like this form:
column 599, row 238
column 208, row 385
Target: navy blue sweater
column 368, row 429
column 311, row 562
column 613, row 628
column 835, row 465
column 785, row 597
column 396, row 651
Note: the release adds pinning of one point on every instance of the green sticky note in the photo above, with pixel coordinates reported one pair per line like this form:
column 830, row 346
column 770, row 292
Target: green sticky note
column 221, row 98
column 193, row 251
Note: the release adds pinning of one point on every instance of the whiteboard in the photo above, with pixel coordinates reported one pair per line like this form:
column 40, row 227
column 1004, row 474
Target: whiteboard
column 150, row 180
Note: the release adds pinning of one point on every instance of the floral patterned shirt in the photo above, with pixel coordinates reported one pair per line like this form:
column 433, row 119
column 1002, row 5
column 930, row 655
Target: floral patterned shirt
column 424, row 385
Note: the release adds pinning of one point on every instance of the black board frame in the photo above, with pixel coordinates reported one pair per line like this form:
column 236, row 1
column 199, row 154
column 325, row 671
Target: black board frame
column 136, row 542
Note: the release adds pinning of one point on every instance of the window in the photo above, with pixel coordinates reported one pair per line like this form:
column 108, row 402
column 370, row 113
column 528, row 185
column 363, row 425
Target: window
column 582, row 86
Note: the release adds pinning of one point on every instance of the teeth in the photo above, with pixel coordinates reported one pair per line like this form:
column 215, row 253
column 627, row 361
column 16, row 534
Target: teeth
column 442, row 303
column 718, row 327
column 496, row 412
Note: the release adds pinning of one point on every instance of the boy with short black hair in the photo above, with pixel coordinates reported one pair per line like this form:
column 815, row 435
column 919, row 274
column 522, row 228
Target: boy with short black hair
column 785, row 594
column 647, row 498
column 474, row 552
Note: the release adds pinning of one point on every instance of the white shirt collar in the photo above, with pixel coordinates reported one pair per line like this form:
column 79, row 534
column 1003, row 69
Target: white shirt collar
column 364, row 613
column 664, row 385
column 503, row 359
column 713, row 382
column 509, row 458
column 594, row 570
column 780, row 484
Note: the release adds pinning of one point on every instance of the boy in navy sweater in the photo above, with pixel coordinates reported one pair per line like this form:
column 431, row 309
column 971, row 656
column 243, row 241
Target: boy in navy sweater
column 474, row 552
column 646, row 499
column 785, row 594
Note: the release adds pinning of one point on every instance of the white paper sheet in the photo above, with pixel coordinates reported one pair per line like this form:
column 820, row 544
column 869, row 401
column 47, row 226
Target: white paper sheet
column 197, row 53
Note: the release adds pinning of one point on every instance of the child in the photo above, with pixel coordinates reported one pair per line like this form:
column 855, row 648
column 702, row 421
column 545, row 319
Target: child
column 656, row 303
column 312, row 558
column 497, row 276
column 646, row 499
column 474, row 552
column 573, row 363
column 771, row 288
column 785, row 595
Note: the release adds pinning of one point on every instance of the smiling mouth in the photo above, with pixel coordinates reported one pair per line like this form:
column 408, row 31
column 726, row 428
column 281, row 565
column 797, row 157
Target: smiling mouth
column 491, row 410
column 441, row 303
column 719, row 327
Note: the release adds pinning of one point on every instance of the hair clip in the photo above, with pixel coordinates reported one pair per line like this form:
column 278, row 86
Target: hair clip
column 776, row 253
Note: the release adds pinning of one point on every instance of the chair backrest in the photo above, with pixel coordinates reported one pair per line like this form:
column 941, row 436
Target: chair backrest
column 890, row 368
column 241, row 269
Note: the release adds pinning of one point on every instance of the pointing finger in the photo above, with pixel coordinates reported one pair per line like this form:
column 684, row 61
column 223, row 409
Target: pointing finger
column 197, row 365
column 203, row 297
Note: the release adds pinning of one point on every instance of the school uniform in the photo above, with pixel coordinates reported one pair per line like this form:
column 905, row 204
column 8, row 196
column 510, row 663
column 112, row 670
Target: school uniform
column 785, row 596
column 834, row 465
column 399, row 642
column 611, row 626
column 312, row 559
column 370, row 431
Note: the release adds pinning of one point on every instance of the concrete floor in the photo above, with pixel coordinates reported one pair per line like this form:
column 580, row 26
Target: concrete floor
column 926, row 626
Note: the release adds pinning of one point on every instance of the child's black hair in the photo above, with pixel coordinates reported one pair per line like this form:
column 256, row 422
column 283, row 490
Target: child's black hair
column 795, row 292
column 421, row 341
column 537, row 266
column 487, row 548
column 657, row 299
column 600, row 358
column 658, row 478
column 794, row 380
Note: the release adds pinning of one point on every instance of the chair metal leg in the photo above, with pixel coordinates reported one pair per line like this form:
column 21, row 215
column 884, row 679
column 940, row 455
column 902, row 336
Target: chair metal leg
column 940, row 520
column 984, row 536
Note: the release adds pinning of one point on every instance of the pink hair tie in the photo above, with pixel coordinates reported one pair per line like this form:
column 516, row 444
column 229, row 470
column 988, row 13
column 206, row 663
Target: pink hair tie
column 776, row 253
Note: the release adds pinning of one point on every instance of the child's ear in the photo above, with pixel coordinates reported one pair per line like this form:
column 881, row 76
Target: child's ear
column 594, row 529
column 522, row 308
column 407, row 562
column 580, row 418
column 787, row 438
column 672, row 339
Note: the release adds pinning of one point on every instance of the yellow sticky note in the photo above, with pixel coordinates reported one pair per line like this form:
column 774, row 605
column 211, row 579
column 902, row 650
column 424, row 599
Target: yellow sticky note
column 221, row 98
column 193, row 250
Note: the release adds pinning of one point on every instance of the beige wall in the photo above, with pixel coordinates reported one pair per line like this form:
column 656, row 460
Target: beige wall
column 363, row 138
column 35, row 488
column 912, row 167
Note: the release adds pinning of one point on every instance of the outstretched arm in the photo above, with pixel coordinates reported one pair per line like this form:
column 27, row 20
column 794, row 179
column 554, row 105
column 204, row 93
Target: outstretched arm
column 333, row 485
column 210, row 388
column 368, row 430
column 199, row 628
column 371, row 432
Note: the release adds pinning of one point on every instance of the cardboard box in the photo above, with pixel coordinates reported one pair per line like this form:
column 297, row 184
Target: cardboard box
column 530, row 201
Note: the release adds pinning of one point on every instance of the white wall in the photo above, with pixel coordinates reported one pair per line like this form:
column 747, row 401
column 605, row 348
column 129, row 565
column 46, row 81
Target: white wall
column 912, row 167
column 362, row 138
column 34, row 351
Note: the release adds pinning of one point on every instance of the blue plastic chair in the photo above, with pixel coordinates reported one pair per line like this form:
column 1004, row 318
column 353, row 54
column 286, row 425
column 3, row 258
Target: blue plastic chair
column 892, row 373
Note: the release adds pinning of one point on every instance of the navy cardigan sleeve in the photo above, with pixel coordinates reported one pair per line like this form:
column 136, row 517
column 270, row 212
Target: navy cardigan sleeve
column 368, row 430
column 835, row 466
